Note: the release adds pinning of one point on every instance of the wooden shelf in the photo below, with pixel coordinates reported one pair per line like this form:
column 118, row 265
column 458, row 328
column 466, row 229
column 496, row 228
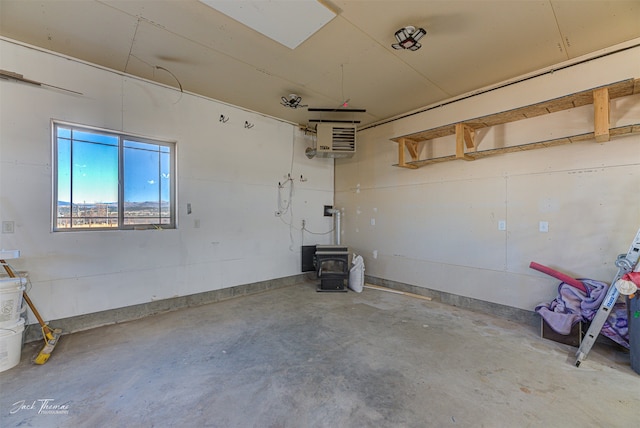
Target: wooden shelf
column 465, row 130
column 623, row 130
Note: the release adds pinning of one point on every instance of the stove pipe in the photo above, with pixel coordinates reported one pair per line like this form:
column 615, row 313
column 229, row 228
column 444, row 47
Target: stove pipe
column 336, row 225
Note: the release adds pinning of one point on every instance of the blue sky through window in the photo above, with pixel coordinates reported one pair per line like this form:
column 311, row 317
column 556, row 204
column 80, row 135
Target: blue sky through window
column 150, row 179
column 93, row 177
column 95, row 173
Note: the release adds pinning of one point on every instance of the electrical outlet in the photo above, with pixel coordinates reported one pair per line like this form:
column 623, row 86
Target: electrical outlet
column 8, row 226
column 543, row 226
column 502, row 225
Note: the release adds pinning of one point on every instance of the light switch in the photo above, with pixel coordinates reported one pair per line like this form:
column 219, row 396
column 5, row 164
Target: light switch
column 544, row 226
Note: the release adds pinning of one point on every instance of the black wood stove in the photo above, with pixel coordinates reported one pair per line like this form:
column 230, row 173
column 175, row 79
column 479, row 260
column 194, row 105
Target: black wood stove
column 332, row 267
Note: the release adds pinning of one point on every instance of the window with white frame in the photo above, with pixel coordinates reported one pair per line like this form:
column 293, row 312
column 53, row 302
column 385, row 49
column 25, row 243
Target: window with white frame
column 108, row 180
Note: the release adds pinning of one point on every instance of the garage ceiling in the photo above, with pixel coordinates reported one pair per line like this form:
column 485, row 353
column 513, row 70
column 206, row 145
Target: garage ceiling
column 469, row 45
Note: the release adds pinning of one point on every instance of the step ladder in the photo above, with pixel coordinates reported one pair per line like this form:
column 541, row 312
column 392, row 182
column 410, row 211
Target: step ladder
column 625, row 264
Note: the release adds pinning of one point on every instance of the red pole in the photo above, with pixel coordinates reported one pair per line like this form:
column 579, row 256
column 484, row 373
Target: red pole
column 559, row 275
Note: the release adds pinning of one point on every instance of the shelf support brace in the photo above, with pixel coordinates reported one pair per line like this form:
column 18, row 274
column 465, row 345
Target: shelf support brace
column 412, row 147
column 465, row 137
column 601, row 114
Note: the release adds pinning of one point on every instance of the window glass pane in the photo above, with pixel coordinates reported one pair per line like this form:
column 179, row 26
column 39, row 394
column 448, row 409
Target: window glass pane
column 63, row 132
column 141, row 183
column 90, row 181
column 165, row 177
column 63, row 204
column 165, row 187
column 93, row 137
column 140, row 145
column 94, row 185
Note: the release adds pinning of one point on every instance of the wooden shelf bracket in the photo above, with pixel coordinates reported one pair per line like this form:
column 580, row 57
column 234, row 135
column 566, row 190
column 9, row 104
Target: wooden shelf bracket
column 601, row 113
column 412, row 148
column 465, row 138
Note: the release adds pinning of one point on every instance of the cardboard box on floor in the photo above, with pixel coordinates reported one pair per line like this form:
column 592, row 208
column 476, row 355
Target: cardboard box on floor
column 574, row 338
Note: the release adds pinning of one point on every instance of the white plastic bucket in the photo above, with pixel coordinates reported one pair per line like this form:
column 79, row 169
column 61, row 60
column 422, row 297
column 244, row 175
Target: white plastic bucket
column 10, row 300
column 11, row 345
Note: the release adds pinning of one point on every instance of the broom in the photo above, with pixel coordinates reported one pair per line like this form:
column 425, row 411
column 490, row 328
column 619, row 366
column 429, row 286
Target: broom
column 50, row 336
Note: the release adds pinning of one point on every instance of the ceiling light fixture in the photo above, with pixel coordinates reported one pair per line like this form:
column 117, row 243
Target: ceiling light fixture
column 408, row 37
column 293, row 101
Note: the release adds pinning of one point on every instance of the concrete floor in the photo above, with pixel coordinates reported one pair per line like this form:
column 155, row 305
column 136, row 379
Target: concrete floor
column 296, row 358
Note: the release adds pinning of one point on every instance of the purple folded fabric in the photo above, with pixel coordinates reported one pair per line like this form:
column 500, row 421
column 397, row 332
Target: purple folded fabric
column 616, row 327
column 573, row 305
column 558, row 321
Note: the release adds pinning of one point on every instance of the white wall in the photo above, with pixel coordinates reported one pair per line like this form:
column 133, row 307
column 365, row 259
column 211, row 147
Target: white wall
column 228, row 173
column 436, row 227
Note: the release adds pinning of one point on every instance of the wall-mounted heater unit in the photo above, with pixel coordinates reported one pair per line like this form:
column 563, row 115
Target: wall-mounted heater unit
column 335, row 140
